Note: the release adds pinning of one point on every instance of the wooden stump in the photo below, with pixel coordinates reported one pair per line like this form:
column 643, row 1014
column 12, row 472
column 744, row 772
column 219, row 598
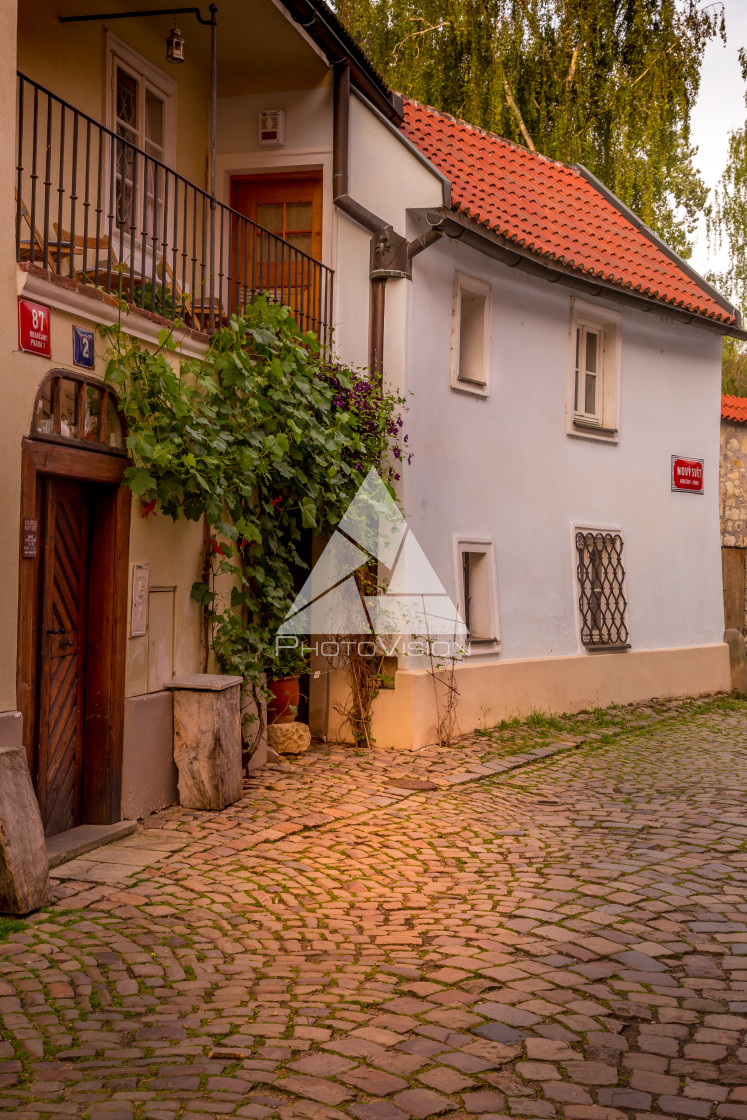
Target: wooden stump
column 207, row 740
column 24, row 871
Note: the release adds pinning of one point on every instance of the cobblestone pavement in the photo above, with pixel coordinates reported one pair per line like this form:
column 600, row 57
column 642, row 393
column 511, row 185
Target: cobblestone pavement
column 566, row 939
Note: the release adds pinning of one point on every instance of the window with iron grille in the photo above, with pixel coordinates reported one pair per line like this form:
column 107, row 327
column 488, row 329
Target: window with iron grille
column 601, row 599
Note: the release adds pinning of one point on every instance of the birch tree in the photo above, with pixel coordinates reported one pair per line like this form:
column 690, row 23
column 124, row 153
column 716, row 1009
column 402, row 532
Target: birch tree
column 609, row 83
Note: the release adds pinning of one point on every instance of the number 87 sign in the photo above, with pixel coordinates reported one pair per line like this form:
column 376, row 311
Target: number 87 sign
column 34, row 335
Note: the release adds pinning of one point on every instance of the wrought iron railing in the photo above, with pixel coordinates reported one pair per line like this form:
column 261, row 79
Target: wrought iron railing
column 92, row 206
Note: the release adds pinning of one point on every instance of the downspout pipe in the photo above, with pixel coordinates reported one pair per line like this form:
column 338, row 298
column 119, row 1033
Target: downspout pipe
column 391, row 254
column 360, row 214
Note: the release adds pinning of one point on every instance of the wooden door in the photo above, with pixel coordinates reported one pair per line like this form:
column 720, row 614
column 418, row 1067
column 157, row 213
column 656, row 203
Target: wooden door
column 733, row 570
column 62, row 644
column 289, row 206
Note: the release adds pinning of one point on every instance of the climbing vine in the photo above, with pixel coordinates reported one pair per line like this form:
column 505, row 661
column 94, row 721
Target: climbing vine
column 267, row 441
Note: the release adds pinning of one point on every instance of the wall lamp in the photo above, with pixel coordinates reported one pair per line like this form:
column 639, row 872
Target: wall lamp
column 175, row 54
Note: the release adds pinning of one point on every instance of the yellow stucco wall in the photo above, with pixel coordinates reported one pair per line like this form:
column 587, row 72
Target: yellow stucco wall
column 70, row 61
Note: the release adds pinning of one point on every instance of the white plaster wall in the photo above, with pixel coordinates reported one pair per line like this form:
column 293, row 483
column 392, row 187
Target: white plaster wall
column 505, row 468
column 388, row 178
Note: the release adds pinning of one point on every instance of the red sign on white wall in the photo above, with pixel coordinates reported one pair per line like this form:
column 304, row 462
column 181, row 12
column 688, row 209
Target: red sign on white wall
column 34, row 333
column 687, row 475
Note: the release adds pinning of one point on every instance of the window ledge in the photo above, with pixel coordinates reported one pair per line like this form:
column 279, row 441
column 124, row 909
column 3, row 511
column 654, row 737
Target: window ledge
column 608, row 649
column 584, row 429
column 472, row 388
column 477, row 646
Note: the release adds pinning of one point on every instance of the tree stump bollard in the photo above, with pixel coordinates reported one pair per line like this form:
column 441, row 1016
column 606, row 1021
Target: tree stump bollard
column 207, row 739
column 24, row 869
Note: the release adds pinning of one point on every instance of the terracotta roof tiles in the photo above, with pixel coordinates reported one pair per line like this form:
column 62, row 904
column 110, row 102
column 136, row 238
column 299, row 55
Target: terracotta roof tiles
column 552, row 210
column 734, row 408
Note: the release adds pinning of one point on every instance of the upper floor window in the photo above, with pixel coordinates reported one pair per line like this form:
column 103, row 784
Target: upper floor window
column 594, row 384
column 470, row 335
column 142, row 111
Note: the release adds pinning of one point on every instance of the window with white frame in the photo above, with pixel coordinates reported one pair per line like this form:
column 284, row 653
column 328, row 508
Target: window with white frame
column 470, row 343
column 476, row 591
column 594, row 383
column 142, row 111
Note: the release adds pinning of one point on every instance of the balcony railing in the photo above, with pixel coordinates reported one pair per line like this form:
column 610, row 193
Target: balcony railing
column 92, row 206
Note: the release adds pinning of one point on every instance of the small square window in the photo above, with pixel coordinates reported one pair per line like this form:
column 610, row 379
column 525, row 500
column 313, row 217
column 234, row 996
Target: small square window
column 476, row 592
column 601, row 586
column 594, row 372
column 470, row 346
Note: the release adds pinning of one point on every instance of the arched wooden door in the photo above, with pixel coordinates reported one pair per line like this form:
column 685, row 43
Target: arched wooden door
column 74, row 551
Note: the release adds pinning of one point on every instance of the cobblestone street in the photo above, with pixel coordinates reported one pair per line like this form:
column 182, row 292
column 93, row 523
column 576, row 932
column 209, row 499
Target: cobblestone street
column 557, row 928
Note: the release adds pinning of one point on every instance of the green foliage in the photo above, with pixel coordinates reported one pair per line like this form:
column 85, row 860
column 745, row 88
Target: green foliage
column 158, row 298
column 264, row 439
column 734, row 368
column 609, row 84
column 727, row 223
column 9, row 926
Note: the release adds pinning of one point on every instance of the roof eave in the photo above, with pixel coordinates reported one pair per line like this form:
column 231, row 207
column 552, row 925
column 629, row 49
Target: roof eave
column 321, row 23
column 654, row 238
column 459, row 227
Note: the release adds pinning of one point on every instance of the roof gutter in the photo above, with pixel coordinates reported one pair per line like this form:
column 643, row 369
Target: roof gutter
column 662, row 246
column 324, row 27
column 444, row 222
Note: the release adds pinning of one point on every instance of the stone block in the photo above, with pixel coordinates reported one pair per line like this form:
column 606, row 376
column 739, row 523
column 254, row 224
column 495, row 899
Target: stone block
column 737, row 660
column 207, row 740
column 289, row 738
column 24, row 874
column 149, row 776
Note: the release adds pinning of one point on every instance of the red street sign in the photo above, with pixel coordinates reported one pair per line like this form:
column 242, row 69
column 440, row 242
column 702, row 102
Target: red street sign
column 687, row 475
column 34, row 328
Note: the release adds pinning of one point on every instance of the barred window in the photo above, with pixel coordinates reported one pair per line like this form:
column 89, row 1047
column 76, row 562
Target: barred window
column 601, row 598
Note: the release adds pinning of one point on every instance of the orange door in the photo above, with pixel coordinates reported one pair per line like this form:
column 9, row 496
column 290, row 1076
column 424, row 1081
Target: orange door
column 290, row 207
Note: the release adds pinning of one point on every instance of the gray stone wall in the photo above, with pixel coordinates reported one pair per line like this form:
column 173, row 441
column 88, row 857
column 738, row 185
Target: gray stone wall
column 733, row 503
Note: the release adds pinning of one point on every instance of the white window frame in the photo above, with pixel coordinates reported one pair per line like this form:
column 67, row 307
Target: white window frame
column 463, row 544
column 119, row 54
column 166, row 87
column 604, row 423
column 471, row 285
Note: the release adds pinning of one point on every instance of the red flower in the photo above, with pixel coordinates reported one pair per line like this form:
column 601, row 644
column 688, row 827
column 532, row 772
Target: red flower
column 277, row 501
column 215, row 547
column 149, row 507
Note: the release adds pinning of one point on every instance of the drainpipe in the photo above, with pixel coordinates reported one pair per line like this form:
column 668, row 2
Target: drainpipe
column 383, row 239
column 391, row 254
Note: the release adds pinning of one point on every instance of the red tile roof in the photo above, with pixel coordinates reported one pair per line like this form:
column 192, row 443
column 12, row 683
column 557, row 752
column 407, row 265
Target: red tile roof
column 550, row 209
column 734, row 408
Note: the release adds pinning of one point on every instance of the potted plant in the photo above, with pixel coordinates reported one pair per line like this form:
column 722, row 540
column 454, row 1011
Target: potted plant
column 283, row 672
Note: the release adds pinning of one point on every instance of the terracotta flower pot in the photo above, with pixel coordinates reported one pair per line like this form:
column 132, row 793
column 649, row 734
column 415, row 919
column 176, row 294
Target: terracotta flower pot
column 283, row 704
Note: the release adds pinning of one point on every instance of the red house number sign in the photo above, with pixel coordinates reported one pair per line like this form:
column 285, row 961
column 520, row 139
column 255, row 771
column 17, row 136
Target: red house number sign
column 687, row 475
column 33, row 328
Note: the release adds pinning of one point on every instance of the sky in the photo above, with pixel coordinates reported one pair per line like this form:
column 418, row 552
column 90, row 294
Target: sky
column 719, row 110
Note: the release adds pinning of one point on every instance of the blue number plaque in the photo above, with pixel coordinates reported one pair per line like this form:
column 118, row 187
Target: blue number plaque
column 83, row 352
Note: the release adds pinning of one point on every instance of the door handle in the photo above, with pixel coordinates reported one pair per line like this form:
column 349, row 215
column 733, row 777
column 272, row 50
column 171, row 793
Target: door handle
column 67, row 642
column 59, row 630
